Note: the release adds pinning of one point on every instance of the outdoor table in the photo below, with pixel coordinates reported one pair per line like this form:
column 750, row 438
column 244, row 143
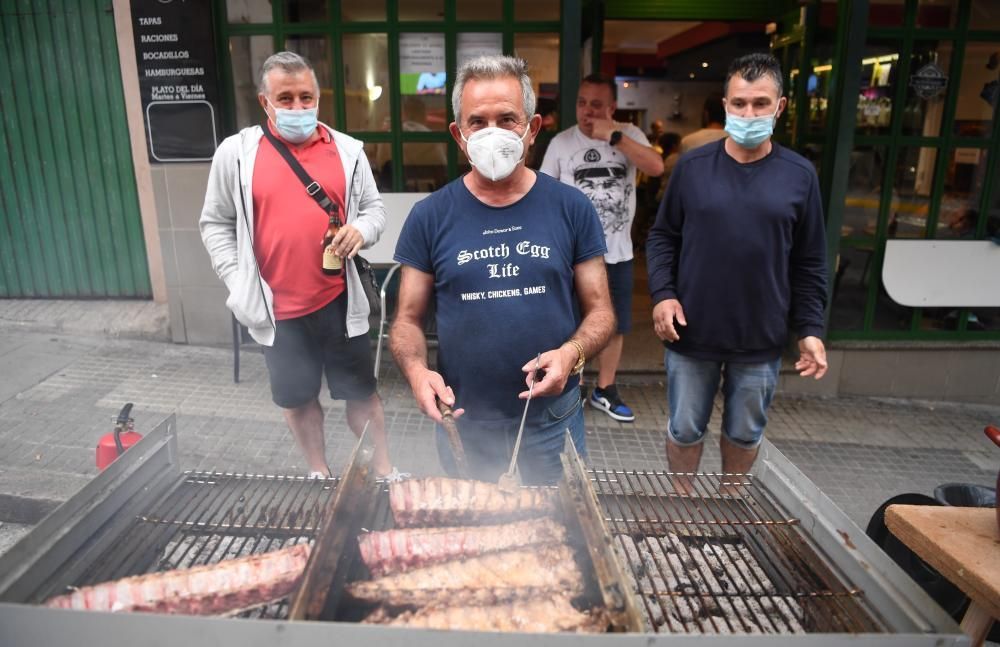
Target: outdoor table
column 963, row 544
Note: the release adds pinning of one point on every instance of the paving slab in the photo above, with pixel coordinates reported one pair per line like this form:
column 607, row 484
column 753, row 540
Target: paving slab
column 860, row 451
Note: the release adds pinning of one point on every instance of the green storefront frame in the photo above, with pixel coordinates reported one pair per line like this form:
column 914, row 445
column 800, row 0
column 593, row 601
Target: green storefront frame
column 392, row 27
column 795, row 45
column 908, row 35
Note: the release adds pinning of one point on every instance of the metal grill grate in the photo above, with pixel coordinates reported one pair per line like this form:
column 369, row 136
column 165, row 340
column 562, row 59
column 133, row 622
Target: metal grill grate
column 209, row 517
column 726, row 563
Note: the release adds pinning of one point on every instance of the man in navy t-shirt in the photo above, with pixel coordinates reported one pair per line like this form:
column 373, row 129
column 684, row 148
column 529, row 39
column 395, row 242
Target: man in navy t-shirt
column 737, row 257
column 504, row 252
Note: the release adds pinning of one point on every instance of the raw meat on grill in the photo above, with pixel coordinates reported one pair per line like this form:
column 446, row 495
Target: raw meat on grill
column 546, row 566
column 212, row 589
column 394, row 551
column 449, row 502
column 554, row 613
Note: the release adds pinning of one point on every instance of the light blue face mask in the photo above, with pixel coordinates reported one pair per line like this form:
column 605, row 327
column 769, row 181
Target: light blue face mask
column 295, row 126
column 750, row 132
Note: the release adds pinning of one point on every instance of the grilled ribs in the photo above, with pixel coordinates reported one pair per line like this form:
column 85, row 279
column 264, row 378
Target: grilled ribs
column 551, row 567
column 211, row 589
column 394, row 551
column 554, row 613
column 449, row 502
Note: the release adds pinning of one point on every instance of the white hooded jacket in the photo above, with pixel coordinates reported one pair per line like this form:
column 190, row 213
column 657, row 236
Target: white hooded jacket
column 227, row 229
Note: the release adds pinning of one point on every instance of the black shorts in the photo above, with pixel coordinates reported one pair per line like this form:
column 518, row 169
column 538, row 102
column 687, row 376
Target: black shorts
column 306, row 347
column 620, row 284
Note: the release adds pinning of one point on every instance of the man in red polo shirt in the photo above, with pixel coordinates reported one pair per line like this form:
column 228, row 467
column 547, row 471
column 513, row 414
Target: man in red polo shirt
column 264, row 233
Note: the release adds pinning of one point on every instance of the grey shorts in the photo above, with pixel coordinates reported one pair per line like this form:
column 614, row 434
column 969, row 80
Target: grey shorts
column 307, row 347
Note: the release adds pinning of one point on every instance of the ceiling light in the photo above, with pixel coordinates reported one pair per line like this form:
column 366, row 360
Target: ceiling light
column 704, row 63
column 691, row 75
column 625, row 84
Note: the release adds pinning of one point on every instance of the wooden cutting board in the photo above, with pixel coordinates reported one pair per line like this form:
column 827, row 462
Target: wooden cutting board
column 961, row 543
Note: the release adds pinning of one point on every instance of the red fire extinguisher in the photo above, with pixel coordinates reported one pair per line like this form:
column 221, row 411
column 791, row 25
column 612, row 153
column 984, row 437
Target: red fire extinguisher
column 112, row 445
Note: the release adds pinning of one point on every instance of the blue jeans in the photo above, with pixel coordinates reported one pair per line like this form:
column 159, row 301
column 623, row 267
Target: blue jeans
column 489, row 444
column 747, row 391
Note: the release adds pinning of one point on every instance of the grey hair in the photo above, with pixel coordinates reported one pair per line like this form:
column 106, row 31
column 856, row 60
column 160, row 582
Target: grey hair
column 290, row 62
column 493, row 67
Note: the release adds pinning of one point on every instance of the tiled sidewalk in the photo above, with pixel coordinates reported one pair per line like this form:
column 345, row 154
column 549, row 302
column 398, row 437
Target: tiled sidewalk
column 59, row 394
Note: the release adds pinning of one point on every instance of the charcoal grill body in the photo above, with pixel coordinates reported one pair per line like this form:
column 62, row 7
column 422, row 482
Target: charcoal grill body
column 69, row 543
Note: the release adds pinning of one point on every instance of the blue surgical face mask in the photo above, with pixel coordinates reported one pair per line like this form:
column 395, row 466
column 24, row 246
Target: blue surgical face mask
column 750, row 132
column 295, row 126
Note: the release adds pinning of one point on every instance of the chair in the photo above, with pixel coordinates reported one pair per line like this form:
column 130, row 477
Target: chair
column 238, row 337
column 385, row 320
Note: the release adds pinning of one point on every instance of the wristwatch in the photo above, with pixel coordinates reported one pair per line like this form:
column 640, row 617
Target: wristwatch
column 615, row 138
column 581, row 358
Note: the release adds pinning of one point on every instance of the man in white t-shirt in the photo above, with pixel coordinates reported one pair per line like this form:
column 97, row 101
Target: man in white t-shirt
column 600, row 156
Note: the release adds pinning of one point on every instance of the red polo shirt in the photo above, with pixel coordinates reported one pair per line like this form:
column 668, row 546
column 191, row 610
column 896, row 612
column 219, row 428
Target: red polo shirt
column 289, row 226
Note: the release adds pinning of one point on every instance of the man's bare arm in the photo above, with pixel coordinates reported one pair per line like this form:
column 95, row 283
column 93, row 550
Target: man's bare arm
column 409, row 344
column 591, row 281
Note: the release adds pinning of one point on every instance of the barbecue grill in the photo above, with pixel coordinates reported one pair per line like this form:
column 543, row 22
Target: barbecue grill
column 771, row 561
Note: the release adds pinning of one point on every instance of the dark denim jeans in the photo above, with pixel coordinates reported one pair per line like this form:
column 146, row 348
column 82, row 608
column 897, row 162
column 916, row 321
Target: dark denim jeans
column 489, row 444
column 747, row 391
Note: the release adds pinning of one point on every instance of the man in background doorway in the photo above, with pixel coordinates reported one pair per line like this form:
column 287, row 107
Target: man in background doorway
column 656, row 130
column 737, row 260
column 713, row 122
column 600, row 157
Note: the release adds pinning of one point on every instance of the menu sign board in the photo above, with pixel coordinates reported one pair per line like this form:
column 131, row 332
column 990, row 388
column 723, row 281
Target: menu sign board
column 175, row 53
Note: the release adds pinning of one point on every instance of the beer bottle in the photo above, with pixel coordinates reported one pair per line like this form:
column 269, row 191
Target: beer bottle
column 332, row 264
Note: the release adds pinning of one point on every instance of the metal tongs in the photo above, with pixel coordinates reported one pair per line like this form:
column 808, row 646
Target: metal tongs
column 511, row 479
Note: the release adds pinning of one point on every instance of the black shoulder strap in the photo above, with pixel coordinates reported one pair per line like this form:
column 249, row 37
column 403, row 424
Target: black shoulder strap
column 313, row 187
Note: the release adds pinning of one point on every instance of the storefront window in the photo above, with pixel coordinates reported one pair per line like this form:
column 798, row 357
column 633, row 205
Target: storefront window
column 316, row 50
column 423, row 82
column 536, row 9
column 380, row 157
column 471, row 45
column 248, row 54
column 543, row 66
column 247, row 11
column 818, row 87
column 979, row 91
column 421, row 9
column 985, row 15
column 362, row 10
column 425, row 166
column 864, row 192
column 987, row 319
column 879, row 75
column 366, row 81
column 926, row 88
column 937, row 14
column 850, row 286
column 886, row 13
column 479, row 9
column 889, row 315
column 911, row 192
column 858, row 228
column 305, row 10
column 959, row 214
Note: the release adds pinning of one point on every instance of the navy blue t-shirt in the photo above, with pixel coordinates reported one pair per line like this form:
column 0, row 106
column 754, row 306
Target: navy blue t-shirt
column 743, row 248
column 503, row 281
